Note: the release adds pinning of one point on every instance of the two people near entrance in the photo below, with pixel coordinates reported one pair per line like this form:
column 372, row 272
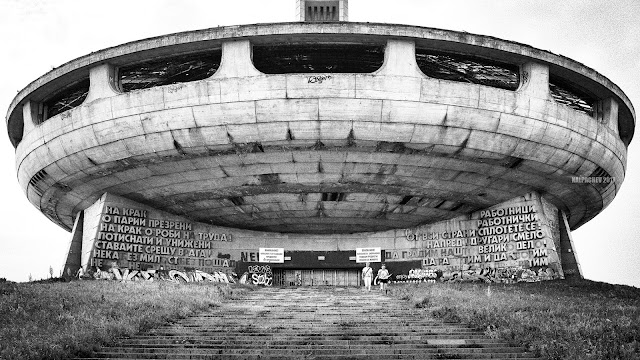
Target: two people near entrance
column 383, row 277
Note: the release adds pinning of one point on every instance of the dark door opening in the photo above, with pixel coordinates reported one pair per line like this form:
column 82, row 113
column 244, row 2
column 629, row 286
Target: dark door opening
column 316, row 277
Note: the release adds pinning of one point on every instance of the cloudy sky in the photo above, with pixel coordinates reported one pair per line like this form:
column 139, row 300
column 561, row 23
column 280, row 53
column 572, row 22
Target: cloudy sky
column 38, row 35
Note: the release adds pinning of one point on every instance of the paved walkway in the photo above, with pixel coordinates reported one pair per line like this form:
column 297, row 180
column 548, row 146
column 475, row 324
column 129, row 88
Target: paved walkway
column 313, row 323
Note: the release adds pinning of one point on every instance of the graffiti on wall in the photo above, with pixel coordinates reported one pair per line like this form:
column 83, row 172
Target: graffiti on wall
column 418, row 275
column 160, row 275
column 258, row 275
column 488, row 275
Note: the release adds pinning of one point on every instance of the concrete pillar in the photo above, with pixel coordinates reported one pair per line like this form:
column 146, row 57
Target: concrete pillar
column 73, row 261
column 236, row 60
column 568, row 258
column 607, row 113
column 344, row 10
column 534, row 80
column 31, row 116
column 300, row 10
column 400, row 59
column 102, row 83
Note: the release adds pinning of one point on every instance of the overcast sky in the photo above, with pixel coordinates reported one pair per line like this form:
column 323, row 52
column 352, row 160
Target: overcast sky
column 38, row 35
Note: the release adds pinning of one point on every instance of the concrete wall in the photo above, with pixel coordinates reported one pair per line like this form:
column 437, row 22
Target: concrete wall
column 514, row 241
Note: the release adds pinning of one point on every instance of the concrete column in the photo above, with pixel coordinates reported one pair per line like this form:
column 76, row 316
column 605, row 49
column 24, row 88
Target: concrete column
column 534, row 80
column 300, row 8
column 344, row 10
column 74, row 255
column 102, row 83
column 236, row 60
column 568, row 258
column 31, row 115
column 607, row 113
column 400, row 59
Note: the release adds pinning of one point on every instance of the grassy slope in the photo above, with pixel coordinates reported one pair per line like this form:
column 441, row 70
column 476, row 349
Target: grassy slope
column 59, row 320
column 556, row 319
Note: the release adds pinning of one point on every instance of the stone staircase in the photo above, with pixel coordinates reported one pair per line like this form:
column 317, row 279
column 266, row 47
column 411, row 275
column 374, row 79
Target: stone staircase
column 312, row 323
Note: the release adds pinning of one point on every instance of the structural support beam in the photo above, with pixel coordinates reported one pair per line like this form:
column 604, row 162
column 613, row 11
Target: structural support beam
column 400, row 59
column 534, row 80
column 31, row 115
column 236, row 60
column 102, row 83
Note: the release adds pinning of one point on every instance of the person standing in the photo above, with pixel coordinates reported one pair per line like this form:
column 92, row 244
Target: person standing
column 383, row 277
column 367, row 276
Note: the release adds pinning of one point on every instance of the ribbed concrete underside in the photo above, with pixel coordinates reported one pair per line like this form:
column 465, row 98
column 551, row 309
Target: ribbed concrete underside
column 312, row 323
column 332, row 190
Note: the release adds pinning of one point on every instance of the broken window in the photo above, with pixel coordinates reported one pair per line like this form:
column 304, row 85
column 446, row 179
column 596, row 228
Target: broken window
column 66, row 99
column 464, row 68
column 318, row 58
column 172, row 70
column 568, row 94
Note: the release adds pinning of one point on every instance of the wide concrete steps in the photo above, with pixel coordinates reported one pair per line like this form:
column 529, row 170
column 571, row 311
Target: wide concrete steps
column 312, row 323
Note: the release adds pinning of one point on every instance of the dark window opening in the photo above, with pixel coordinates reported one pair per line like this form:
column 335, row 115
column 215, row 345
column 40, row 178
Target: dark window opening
column 237, row 200
column 322, row 11
column 269, row 179
column 172, row 70
column 514, row 162
column 463, row 68
column 570, row 95
column 440, row 204
column 67, row 99
column 600, row 178
column 37, row 181
column 335, row 196
column 405, row 200
column 318, row 58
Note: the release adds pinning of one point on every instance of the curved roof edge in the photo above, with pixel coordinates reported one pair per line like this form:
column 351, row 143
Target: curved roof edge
column 78, row 68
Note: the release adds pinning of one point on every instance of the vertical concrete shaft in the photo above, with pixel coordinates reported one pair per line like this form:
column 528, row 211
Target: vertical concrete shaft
column 30, row 116
column 610, row 113
column 102, row 83
column 300, row 10
column 400, row 59
column 569, row 259
column 344, row 10
column 236, row 60
column 534, row 80
column 74, row 256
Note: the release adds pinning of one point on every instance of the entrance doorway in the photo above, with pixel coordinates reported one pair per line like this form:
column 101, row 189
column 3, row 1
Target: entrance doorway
column 316, row 277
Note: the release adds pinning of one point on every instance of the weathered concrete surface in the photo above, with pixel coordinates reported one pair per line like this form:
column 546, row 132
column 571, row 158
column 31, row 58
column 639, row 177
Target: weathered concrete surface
column 520, row 240
column 353, row 152
column 447, row 40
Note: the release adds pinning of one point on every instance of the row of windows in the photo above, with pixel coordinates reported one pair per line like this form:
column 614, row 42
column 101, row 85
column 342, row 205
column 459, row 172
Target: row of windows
column 318, row 58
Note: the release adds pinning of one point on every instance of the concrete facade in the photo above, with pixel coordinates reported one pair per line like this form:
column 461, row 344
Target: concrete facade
column 518, row 240
column 330, row 153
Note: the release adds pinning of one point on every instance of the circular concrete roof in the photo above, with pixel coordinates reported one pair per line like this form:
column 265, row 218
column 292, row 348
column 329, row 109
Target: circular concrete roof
column 362, row 152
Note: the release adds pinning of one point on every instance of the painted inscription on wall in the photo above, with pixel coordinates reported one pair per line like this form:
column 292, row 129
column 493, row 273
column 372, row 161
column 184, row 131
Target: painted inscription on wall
column 507, row 244
column 130, row 238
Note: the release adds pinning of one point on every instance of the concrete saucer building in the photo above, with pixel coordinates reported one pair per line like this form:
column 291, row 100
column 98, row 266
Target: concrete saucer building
column 449, row 155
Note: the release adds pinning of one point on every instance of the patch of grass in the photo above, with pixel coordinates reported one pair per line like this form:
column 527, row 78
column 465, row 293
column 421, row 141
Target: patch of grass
column 57, row 320
column 578, row 319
